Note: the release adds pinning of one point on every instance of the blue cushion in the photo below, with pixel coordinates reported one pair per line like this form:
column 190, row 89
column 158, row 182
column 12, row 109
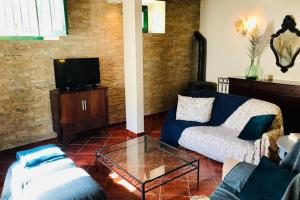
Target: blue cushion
column 267, row 182
column 37, row 155
column 256, row 126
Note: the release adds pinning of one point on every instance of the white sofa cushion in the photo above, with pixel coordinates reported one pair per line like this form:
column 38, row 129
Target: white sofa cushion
column 194, row 109
column 217, row 143
column 253, row 107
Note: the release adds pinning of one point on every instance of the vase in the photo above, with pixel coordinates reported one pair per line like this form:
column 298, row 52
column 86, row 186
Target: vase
column 253, row 72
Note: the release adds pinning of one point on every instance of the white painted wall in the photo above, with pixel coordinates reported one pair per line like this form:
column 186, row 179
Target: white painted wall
column 227, row 50
column 133, row 65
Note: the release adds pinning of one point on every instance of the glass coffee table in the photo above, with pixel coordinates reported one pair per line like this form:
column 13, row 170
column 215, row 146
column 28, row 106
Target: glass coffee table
column 146, row 162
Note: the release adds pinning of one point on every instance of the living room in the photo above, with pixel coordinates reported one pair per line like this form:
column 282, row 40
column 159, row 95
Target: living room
column 141, row 72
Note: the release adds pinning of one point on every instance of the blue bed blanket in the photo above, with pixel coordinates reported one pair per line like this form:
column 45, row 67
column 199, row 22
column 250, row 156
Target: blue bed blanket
column 59, row 180
column 70, row 183
column 37, row 155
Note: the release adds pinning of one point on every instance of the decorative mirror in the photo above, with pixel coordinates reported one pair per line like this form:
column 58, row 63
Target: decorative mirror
column 285, row 44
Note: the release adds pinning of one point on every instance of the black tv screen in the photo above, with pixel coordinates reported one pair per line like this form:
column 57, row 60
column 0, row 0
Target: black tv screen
column 76, row 73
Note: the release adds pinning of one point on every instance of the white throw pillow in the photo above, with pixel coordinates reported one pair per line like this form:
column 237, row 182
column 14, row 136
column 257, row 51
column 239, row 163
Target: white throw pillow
column 194, row 109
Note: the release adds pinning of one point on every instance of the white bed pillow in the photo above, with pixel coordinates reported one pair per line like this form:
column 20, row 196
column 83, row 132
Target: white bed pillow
column 194, row 109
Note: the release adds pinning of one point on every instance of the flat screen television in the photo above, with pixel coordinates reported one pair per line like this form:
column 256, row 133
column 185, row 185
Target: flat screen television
column 76, row 73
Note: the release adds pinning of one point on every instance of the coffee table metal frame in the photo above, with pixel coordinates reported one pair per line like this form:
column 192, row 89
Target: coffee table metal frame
column 195, row 165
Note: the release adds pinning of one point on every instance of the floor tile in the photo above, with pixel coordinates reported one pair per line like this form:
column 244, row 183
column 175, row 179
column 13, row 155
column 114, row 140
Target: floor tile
column 217, row 168
column 174, row 197
column 82, row 151
column 90, row 149
column 115, row 191
column 73, row 148
column 108, row 133
column 205, row 172
column 4, row 167
column 80, row 140
column 99, row 170
column 120, row 133
column 97, row 141
column 115, row 140
column 155, row 134
column 175, row 188
column 206, row 187
column 84, row 158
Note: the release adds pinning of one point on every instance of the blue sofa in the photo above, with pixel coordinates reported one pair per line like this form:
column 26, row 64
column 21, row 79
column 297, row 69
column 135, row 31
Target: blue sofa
column 217, row 139
column 224, row 106
column 58, row 179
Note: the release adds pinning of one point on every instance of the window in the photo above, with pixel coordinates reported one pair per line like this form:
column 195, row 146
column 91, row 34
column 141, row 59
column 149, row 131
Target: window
column 32, row 19
column 154, row 16
column 145, row 19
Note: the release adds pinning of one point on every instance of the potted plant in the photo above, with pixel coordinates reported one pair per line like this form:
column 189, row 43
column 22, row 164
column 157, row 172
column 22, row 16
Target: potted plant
column 258, row 43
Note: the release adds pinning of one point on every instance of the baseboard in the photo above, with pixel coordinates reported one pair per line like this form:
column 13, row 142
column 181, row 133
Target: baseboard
column 136, row 135
column 44, row 141
column 146, row 117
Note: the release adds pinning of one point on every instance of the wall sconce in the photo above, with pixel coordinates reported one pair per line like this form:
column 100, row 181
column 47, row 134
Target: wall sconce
column 246, row 25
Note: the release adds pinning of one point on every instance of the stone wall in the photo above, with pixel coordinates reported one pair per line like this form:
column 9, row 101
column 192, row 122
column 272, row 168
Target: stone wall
column 169, row 59
column 26, row 70
column 95, row 30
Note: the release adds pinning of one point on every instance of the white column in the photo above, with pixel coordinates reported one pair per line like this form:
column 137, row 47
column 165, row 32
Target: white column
column 133, row 65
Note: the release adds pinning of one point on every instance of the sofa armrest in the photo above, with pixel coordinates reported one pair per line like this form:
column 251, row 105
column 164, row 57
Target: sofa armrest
column 228, row 165
column 267, row 144
column 270, row 138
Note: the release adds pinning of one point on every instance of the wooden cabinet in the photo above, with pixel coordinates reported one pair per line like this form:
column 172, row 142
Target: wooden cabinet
column 285, row 94
column 78, row 111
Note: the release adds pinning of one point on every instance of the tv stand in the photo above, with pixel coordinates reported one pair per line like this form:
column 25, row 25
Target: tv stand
column 79, row 88
column 78, row 111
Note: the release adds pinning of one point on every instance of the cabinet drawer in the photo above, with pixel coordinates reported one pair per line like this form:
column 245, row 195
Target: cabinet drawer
column 290, row 90
column 240, row 83
column 265, row 87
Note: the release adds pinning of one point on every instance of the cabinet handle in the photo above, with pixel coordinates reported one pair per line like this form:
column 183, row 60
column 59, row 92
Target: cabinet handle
column 85, row 105
column 82, row 104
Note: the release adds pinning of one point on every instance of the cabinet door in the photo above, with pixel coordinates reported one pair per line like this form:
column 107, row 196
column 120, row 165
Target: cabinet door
column 72, row 108
column 96, row 105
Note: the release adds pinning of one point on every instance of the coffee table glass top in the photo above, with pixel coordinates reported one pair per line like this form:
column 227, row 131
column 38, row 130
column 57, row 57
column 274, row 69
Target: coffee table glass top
column 145, row 158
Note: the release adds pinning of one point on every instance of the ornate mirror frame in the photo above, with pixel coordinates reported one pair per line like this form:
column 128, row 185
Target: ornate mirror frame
column 288, row 24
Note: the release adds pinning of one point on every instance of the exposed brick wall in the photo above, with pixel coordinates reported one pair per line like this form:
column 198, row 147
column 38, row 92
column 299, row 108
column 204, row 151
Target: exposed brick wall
column 26, row 70
column 95, row 30
column 169, row 59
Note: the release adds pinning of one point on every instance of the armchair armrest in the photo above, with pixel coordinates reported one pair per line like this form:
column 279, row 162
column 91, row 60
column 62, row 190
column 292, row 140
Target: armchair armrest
column 228, row 165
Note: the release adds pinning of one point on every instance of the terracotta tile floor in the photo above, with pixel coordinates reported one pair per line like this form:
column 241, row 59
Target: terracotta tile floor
column 82, row 151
